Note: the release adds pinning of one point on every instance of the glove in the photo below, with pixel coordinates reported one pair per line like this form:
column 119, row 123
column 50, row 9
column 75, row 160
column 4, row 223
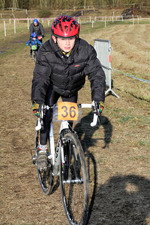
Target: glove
column 43, row 36
column 36, row 109
column 98, row 107
column 101, row 106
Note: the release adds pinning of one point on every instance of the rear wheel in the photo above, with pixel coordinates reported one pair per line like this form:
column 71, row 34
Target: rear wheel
column 46, row 181
column 74, row 181
column 46, row 178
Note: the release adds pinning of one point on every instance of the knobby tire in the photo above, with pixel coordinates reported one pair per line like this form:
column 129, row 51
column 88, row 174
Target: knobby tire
column 46, row 178
column 74, row 181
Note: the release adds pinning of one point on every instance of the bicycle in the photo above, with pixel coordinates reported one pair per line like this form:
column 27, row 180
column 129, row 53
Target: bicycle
column 34, row 52
column 66, row 160
column 35, row 49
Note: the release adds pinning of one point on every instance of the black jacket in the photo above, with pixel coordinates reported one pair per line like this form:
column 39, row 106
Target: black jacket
column 39, row 30
column 67, row 74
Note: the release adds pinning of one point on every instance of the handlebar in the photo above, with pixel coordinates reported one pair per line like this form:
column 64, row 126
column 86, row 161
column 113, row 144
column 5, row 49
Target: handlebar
column 95, row 116
column 85, row 106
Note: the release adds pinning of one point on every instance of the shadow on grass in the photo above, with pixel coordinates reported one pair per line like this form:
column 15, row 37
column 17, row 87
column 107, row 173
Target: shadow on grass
column 123, row 200
column 85, row 134
column 84, row 129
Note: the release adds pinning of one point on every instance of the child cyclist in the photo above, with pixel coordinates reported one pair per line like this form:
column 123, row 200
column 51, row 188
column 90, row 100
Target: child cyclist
column 34, row 43
column 62, row 64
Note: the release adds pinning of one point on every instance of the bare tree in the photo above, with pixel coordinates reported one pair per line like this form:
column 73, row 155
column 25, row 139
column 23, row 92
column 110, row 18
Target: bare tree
column 2, row 4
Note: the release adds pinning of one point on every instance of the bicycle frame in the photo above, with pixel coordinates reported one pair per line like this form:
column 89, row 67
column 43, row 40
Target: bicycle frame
column 64, row 125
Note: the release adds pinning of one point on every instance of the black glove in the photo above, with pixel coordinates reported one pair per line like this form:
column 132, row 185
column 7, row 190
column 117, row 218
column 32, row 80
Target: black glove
column 43, row 36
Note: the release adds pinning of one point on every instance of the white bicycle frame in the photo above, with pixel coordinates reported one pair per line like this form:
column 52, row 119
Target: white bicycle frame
column 64, row 125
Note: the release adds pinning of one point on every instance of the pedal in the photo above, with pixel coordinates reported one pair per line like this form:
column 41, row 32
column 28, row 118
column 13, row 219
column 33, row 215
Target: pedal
column 34, row 159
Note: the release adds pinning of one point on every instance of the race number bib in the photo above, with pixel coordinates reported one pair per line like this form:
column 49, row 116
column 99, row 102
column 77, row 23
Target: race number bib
column 67, row 111
column 34, row 47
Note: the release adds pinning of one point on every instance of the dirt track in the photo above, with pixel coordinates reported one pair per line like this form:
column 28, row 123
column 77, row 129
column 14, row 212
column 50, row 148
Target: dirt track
column 119, row 149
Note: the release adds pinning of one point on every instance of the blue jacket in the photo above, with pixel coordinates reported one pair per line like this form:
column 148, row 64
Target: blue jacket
column 33, row 42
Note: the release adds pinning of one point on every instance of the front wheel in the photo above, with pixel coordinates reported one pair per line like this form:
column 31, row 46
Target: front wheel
column 34, row 56
column 74, row 180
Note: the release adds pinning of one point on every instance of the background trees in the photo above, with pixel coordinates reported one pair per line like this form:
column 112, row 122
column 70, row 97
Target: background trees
column 68, row 4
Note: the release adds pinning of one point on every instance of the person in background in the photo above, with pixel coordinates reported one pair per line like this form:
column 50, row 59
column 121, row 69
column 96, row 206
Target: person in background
column 34, row 43
column 62, row 65
column 37, row 27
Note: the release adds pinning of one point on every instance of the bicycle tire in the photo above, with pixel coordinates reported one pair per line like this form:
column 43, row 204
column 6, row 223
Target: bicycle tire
column 34, row 56
column 74, row 181
column 46, row 181
column 46, row 178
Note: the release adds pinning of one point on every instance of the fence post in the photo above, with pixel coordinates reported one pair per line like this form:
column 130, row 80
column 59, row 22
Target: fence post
column 14, row 26
column 4, row 28
column 133, row 20
column 105, row 21
column 92, row 23
column 28, row 23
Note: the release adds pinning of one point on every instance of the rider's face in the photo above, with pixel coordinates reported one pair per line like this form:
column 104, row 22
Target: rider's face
column 35, row 24
column 66, row 44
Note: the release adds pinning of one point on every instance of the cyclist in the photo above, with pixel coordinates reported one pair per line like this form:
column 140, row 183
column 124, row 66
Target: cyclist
column 62, row 64
column 33, row 41
column 37, row 27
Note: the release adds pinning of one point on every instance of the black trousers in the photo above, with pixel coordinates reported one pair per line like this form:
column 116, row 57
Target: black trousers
column 51, row 99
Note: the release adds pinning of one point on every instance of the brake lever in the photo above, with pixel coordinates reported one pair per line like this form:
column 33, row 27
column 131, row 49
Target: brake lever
column 38, row 126
column 95, row 118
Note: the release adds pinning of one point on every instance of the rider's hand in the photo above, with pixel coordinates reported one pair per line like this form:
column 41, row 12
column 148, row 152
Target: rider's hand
column 36, row 109
column 43, row 36
column 101, row 106
column 98, row 107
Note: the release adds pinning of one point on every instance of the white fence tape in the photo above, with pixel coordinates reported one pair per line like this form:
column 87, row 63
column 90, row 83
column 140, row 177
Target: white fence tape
column 130, row 75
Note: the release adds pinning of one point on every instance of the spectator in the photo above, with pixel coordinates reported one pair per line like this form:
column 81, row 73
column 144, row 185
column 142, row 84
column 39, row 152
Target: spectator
column 37, row 27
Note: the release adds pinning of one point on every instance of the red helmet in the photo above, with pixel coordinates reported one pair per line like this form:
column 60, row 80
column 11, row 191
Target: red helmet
column 65, row 26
